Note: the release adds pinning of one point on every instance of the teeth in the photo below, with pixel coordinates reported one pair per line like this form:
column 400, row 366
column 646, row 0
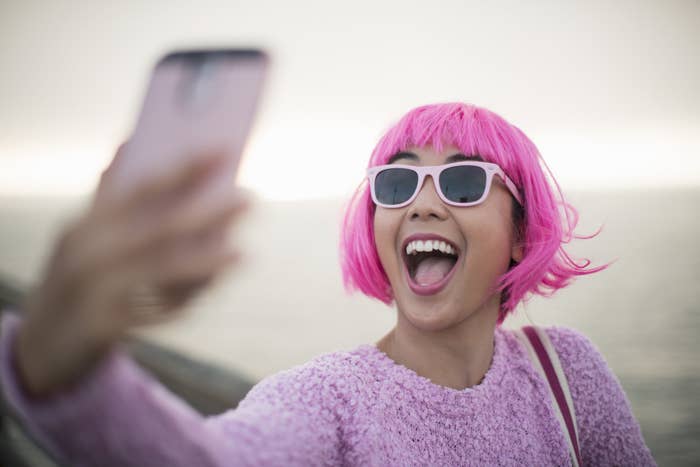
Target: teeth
column 429, row 245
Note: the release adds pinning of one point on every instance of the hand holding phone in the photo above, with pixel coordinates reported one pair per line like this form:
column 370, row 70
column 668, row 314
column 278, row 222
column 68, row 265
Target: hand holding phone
column 162, row 190
column 198, row 103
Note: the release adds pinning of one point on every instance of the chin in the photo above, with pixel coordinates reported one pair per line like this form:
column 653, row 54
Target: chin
column 435, row 313
column 429, row 317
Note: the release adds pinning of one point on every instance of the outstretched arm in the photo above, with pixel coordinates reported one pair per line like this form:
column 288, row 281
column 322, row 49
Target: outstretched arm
column 119, row 415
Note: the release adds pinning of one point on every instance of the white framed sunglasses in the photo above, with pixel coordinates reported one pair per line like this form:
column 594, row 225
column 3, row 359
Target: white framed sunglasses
column 465, row 183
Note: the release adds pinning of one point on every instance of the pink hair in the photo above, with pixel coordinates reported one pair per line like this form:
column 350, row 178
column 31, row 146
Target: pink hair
column 545, row 267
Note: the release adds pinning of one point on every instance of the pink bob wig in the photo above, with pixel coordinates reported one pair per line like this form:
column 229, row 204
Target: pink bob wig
column 544, row 224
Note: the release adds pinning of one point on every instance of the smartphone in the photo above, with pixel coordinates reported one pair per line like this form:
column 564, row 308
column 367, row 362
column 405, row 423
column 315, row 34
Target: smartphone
column 197, row 102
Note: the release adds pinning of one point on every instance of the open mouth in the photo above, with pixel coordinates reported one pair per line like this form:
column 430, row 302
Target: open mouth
column 430, row 264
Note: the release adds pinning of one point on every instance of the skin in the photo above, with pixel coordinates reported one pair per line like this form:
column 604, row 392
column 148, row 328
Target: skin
column 447, row 337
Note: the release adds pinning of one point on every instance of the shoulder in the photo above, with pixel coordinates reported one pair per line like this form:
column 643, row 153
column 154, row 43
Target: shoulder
column 573, row 346
column 580, row 358
column 591, row 381
column 609, row 433
column 595, row 388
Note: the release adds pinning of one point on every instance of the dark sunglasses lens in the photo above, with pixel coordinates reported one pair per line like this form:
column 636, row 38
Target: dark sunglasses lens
column 463, row 184
column 395, row 186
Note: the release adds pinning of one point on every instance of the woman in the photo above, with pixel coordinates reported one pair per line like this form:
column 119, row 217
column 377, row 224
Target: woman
column 457, row 225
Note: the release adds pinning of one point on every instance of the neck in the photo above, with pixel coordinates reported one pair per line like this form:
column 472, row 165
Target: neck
column 457, row 357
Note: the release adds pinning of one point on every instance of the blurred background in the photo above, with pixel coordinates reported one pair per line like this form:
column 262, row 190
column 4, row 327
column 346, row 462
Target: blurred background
column 608, row 91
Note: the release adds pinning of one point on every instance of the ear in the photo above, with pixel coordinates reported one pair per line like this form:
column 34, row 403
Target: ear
column 516, row 252
column 517, row 246
column 518, row 243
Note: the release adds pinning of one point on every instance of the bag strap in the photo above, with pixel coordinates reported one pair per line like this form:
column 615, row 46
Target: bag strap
column 546, row 362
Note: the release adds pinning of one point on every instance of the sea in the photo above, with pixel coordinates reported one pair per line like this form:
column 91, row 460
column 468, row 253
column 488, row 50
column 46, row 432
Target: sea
column 284, row 303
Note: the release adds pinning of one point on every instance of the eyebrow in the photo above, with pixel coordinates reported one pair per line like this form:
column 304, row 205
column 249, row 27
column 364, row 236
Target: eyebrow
column 462, row 157
column 453, row 158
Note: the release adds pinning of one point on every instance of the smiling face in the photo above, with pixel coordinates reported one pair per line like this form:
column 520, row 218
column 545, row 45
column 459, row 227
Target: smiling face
column 438, row 290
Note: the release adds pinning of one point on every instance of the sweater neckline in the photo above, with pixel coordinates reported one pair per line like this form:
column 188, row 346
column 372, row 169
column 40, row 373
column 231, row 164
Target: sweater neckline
column 429, row 392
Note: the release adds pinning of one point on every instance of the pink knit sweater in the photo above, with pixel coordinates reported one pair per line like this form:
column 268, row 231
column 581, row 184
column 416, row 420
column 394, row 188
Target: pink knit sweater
column 354, row 407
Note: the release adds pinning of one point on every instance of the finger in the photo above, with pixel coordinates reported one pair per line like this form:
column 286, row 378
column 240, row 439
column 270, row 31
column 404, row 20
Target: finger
column 113, row 293
column 96, row 246
column 157, row 307
column 179, row 293
column 212, row 241
column 168, row 313
column 178, row 224
column 170, row 301
column 178, row 180
column 192, row 266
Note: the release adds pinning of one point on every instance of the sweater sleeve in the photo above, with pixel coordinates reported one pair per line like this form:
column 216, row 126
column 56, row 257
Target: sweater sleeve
column 608, row 432
column 120, row 415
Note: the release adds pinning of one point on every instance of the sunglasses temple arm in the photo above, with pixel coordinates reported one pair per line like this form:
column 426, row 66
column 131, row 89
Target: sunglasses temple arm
column 511, row 186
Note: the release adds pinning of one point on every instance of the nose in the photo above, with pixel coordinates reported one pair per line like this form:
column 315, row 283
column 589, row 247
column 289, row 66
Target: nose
column 427, row 204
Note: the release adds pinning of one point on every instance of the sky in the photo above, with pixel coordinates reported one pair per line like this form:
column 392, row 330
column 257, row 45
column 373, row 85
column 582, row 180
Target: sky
column 608, row 91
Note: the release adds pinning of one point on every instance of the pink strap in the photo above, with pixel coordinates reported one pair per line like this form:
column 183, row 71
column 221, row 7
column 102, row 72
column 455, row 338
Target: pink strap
column 555, row 385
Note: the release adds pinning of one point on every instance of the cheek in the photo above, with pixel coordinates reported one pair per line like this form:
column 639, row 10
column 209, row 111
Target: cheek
column 489, row 247
column 386, row 227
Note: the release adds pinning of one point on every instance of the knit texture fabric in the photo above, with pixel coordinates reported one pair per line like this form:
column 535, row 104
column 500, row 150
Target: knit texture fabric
column 354, row 407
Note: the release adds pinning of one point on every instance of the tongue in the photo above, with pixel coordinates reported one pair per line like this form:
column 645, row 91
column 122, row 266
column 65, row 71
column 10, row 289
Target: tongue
column 432, row 270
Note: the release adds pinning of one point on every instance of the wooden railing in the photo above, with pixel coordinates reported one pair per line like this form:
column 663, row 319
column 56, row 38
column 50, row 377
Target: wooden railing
column 207, row 388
